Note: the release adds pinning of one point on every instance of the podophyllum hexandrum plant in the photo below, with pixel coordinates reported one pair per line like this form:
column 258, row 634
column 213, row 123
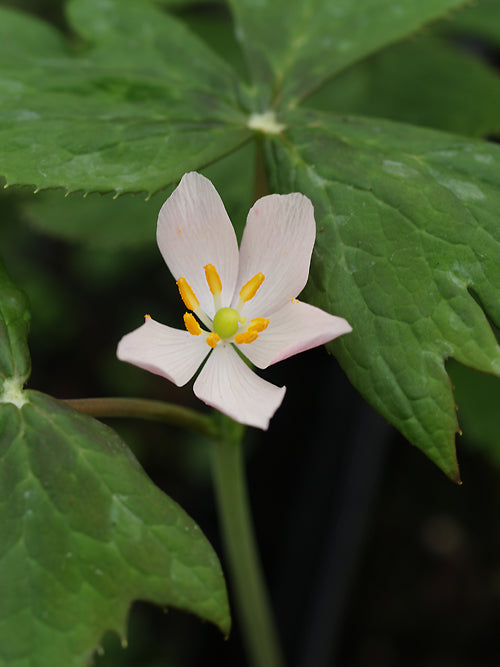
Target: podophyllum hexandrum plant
column 374, row 194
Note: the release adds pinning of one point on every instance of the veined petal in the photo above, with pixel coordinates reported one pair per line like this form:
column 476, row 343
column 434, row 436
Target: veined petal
column 226, row 383
column 194, row 230
column 172, row 353
column 278, row 241
column 294, row 328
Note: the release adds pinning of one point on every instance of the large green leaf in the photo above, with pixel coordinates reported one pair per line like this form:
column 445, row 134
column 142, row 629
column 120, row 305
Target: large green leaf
column 408, row 250
column 143, row 100
column 426, row 81
column 292, row 48
column 83, row 530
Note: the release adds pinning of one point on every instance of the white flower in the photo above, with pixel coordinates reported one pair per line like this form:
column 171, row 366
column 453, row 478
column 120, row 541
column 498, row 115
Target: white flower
column 243, row 299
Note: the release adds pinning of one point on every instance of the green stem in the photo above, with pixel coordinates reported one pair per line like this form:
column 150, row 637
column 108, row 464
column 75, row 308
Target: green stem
column 251, row 598
column 145, row 409
column 261, row 182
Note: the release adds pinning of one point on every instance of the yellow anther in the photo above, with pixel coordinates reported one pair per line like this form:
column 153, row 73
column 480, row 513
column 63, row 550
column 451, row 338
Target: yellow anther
column 213, row 279
column 147, row 317
column 191, row 324
column 249, row 289
column 258, row 324
column 245, row 337
column 213, row 339
column 187, row 294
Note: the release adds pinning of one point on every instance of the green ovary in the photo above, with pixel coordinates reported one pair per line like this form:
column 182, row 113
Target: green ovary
column 226, row 322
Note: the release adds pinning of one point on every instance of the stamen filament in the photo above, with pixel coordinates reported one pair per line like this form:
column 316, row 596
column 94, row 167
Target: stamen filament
column 191, row 324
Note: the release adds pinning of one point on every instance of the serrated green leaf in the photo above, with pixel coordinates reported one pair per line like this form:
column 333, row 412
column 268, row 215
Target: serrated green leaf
column 14, row 324
column 408, row 251
column 140, row 104
column 83, row 530
column 83, row 533
column 292, row 48
column 427, row 82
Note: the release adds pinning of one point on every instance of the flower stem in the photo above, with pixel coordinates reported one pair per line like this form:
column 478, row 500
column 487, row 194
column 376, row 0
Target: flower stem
column 261, row 182
column 145, row 409
column 250, row 593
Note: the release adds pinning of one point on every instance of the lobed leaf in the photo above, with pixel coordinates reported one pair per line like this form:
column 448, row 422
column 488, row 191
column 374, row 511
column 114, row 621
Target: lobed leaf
column 293, row 48
column 83, row 530
column 136, row 106
column 408, row 250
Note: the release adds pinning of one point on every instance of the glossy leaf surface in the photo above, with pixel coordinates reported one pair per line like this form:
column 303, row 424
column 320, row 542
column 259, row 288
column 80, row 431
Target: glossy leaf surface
column 83, row 530
column 408, row 250
column 140, row 103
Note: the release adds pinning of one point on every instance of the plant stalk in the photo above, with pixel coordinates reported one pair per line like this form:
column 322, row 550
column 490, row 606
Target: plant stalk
column 145, row 409
column 261, row 182
column 248, row 586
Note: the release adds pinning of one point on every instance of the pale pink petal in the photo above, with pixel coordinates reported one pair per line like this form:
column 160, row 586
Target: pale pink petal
column 194, row 230
column 294, row 328
column 172, row 353
column 278, row 241
column 226, row 383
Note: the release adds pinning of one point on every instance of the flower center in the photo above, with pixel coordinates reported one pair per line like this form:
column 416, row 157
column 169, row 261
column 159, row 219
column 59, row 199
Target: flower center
column 227, row 321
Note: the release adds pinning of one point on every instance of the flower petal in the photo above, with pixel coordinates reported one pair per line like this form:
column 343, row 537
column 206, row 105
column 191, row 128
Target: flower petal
column 194, row 230
column 226, row 383
column 294, row 328
column 172, row 353
column 278, row 241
